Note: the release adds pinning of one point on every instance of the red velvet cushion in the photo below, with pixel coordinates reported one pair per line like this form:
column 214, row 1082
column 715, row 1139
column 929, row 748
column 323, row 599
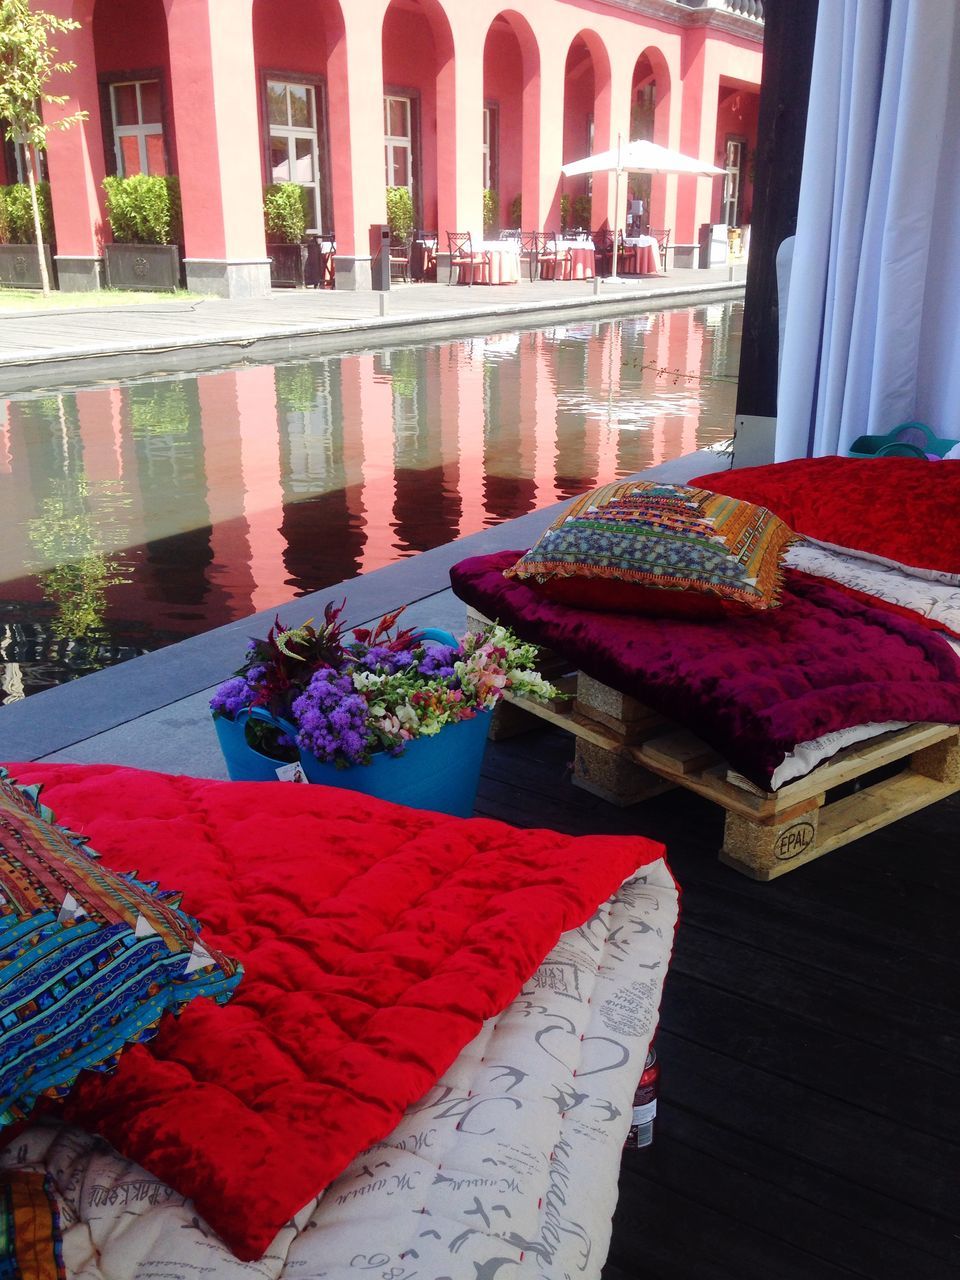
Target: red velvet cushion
column 376, row 940
column 903, row 511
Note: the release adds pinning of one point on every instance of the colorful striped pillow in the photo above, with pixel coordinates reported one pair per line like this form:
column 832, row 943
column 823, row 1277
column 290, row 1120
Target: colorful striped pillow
column 663, row 549
column 30, row 1240
column 89, row 960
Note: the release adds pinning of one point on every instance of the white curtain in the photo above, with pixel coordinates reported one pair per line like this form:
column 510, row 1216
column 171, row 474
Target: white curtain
column 872, row 334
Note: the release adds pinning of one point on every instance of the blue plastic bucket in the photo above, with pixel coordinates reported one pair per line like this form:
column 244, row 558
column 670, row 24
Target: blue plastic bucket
column 439, row 773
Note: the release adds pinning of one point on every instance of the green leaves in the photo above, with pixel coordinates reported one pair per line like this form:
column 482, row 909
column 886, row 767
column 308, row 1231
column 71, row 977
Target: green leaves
column 28, row 61
column 285, row 212
column 399, row 212
column 144, row 209
column 16, row 214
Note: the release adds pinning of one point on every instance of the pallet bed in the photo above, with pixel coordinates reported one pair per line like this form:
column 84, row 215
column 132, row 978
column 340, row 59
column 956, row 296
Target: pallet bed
column 626, row 753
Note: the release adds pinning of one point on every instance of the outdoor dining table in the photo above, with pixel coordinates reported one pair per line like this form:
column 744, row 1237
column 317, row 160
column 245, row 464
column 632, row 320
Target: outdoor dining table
column 576, row 260
column 646, row 254
column 500, row 263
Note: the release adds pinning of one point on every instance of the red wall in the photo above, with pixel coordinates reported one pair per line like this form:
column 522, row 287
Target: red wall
column 288, row 36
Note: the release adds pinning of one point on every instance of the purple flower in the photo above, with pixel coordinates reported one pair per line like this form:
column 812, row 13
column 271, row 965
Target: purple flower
column 332, row 719
column 438, row 661
column 232, row 697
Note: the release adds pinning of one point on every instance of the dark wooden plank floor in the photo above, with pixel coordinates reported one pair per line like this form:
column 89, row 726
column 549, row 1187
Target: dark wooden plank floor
column 808, row 1125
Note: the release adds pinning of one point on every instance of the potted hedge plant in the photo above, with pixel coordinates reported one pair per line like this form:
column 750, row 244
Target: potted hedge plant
column 491, row 211
column 19, row 264
column 144, row 215
column 285, row 219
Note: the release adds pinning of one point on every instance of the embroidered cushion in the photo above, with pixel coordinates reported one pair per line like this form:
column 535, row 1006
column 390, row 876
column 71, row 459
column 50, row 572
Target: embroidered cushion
column 89, row 959
column 642, row 547
column 900, row 511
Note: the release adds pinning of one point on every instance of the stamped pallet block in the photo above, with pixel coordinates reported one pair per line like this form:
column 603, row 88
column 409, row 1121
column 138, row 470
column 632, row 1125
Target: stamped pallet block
column 625, row 753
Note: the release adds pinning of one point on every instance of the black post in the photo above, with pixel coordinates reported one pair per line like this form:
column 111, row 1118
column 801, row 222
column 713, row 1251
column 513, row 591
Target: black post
column 788, row 37
column 380, row 254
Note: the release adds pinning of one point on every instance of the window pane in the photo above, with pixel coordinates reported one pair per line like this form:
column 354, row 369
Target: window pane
column 486, row 126
column 399, row 126
column 277, row 102
column 401, row 168
column 279, row 160
column 129, row 155
column 125, row 104
column 156, row 161
column 301, row 106
column 387, row 164
column 310, row 200
column 303, row 153
column 150, row 102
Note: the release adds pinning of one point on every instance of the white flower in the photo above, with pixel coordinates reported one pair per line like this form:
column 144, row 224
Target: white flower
column 363, row 680
column 407, row 716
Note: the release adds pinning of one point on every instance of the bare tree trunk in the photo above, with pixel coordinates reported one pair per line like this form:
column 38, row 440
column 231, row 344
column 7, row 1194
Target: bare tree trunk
column 41, row 256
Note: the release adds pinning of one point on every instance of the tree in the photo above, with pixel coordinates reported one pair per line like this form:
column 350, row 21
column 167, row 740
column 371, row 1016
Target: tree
column 28, row 61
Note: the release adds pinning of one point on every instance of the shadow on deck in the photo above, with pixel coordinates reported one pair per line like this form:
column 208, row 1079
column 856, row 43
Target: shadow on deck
column 808, row 1126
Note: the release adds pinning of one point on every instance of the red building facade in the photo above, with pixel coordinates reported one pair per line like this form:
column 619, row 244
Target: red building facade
column 346, row 97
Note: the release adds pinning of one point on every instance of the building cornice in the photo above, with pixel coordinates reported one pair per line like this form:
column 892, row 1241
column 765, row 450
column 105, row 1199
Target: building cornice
column 680, row 15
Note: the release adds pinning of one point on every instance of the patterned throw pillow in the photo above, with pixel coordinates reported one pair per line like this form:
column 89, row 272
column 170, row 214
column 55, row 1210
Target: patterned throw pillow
column 30, row 1241
column 641, row 547
column 89, row 960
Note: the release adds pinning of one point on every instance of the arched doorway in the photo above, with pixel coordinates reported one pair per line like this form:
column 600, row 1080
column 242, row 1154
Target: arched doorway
column 511, row 108
column 291, row 48
column 418, row 110
column 649, row 119
column 586, row 128
column 133, row 70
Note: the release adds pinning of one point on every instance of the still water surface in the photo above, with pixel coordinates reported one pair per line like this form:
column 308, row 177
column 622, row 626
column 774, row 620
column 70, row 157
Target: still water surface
column 134, row 515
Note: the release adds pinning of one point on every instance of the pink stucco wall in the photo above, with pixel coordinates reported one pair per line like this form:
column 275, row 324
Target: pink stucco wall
column 737, row 114
column 452, row 55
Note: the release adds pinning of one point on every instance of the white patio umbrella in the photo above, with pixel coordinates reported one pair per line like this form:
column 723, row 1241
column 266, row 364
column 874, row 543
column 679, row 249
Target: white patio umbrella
column 639, row 156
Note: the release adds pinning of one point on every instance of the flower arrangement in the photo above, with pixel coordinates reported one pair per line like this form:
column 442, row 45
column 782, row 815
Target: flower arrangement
column 346, row 699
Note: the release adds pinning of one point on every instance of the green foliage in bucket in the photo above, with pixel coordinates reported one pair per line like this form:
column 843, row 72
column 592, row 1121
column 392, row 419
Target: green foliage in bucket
column 399, row 213
column 16, row 214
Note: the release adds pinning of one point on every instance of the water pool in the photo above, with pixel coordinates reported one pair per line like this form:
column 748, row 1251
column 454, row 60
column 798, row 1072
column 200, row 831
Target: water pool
column 135, row 514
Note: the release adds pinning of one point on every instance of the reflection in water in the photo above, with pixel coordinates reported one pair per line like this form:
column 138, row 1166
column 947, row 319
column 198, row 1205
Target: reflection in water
column 135, row 515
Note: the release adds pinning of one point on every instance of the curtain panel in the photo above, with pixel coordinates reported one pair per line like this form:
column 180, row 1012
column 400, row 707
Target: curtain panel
column 872, row 332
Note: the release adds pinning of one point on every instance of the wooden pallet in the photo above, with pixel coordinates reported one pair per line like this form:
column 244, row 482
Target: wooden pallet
column 626, row 753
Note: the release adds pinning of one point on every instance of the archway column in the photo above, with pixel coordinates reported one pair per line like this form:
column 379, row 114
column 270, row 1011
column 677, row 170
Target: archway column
column 214, row 93
column 698, row 127
column 355, row 105
column 611, row 121
column 460, row 132
column 75, row 156
column 542, row 145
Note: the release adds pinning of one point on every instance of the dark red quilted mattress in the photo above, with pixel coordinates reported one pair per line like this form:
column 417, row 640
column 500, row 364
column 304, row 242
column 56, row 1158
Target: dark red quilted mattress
column 376, row 940
column 753, row 688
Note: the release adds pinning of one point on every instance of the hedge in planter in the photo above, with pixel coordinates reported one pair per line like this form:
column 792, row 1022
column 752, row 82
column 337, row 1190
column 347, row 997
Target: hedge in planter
column 145, row 218
column 18, row 241
column 285, row 220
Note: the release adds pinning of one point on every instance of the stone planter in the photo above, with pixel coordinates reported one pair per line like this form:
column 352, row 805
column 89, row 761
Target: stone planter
column 142, row 266
column 287, row 262
column 20, row 268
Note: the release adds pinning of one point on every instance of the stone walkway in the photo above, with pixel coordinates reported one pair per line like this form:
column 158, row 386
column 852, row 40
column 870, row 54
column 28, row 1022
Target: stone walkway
column 38, row 348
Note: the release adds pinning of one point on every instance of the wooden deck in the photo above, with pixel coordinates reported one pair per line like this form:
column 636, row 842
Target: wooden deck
column 809, row 1045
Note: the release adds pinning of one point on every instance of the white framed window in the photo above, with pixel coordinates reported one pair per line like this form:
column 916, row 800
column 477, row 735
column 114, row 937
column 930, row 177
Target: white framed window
column 733, row 162
column 293, row 152
column 20, row 163
column 398, row 140
column 138, row 127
